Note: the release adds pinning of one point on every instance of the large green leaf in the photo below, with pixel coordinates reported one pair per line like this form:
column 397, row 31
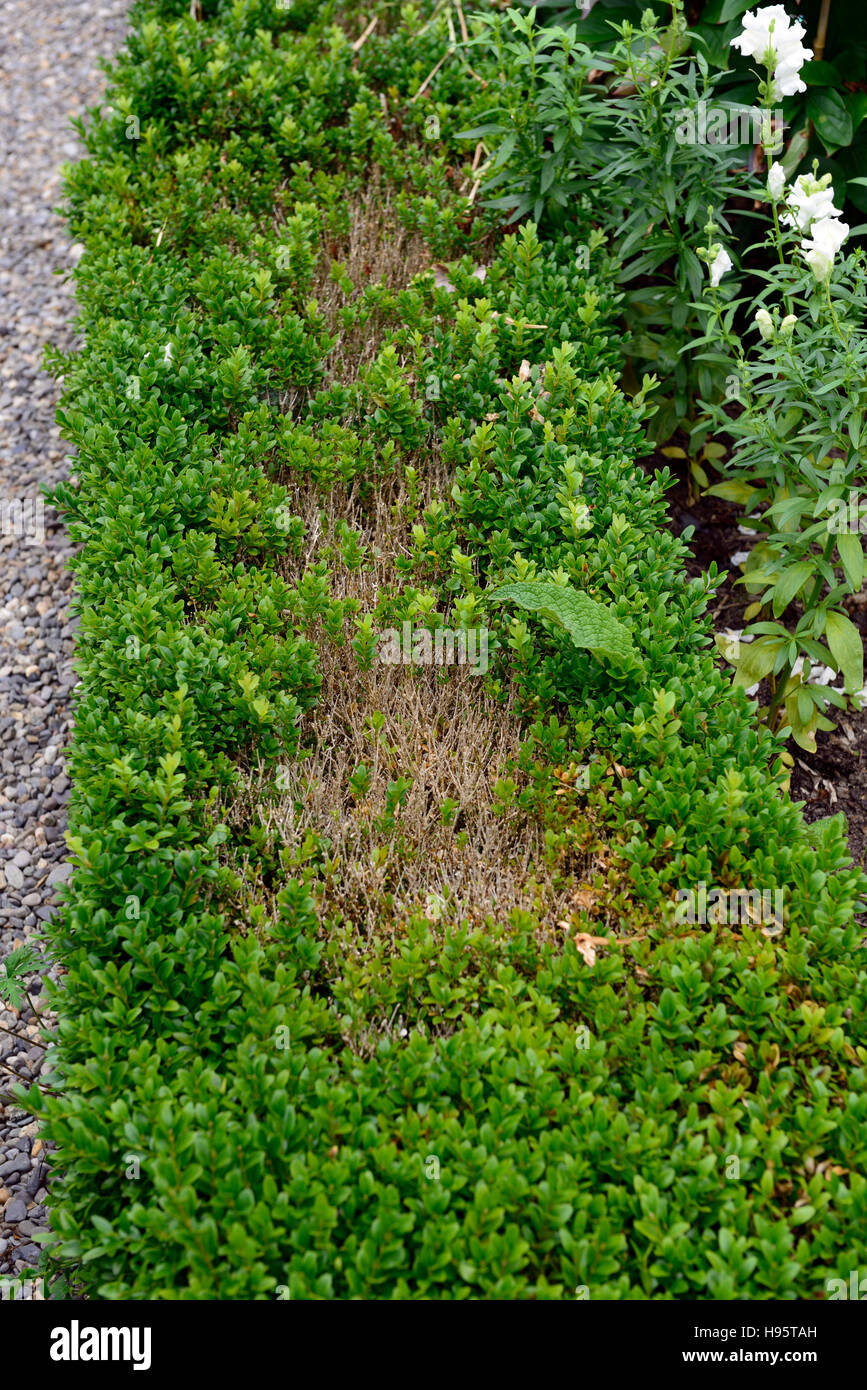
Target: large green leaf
column 847, row 649
column 789, row 582
column 856, row 105
column 757, row 660
column 819, row 74
column 732, row 9
column 827, row 110
column 589, row 623
column 851, row 553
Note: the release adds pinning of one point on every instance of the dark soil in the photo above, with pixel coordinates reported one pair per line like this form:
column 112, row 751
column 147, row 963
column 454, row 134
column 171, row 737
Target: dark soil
column 834, row 778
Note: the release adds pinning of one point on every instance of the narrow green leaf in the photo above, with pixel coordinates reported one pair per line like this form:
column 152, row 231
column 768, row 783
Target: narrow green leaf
column 851, row 553
column 790, row 581
column 844, row 640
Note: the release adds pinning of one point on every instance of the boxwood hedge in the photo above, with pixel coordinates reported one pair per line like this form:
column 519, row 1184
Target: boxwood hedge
column 682, row 1118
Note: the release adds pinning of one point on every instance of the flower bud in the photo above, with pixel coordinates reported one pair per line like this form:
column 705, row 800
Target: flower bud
column 776, row 182
column 765, row 324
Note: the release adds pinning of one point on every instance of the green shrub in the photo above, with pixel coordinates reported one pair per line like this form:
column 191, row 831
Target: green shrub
column 246, row 1101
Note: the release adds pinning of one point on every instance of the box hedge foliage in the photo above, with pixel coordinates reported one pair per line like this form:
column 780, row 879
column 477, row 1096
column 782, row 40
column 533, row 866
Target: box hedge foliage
column 685, row 1118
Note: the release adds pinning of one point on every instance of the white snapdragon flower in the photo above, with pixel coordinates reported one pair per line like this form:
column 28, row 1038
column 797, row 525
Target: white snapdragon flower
column 788, row 325
column 771, row 37
column 821, row 246
column 765, row 324
column 809, row 200
column 721, row 262
column 776, row 182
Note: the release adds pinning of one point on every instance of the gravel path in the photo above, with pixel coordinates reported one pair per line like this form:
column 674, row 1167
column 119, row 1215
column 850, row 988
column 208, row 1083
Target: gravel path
column 48, row 73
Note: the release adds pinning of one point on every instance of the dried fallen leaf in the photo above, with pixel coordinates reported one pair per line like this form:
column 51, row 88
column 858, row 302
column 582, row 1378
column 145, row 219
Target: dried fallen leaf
column 524, row 370
column 586, row 947
column 441, row 279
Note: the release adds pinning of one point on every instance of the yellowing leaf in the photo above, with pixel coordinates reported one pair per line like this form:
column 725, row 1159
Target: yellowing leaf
column 789, row 582
column 732, row 491
column 844, row 639
column 757, row 660
column 714, row 451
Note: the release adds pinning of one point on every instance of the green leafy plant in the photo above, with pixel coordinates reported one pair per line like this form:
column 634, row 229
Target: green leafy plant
column 588, row 622
column 17, row 966
column 637, row 138
column 256, row 1093
column 547, row 115
column 826, row 120
column 797, row 461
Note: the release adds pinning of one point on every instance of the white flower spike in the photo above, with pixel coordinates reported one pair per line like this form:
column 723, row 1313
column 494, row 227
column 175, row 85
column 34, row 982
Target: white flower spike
column 721, row 262
column 821, row 246
column 809, row 199
column 775, row 40
column 776, row 182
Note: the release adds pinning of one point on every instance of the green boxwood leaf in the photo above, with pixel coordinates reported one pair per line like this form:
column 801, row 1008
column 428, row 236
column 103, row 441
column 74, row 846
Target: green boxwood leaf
column 819, row 832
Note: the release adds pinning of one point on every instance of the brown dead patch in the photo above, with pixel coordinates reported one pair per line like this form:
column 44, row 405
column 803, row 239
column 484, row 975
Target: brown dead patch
column 377, row 250
column 456, row 850
column 453, row 851
column 382, row 518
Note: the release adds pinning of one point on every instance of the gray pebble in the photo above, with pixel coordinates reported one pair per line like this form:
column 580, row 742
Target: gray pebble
column 15, row 1211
